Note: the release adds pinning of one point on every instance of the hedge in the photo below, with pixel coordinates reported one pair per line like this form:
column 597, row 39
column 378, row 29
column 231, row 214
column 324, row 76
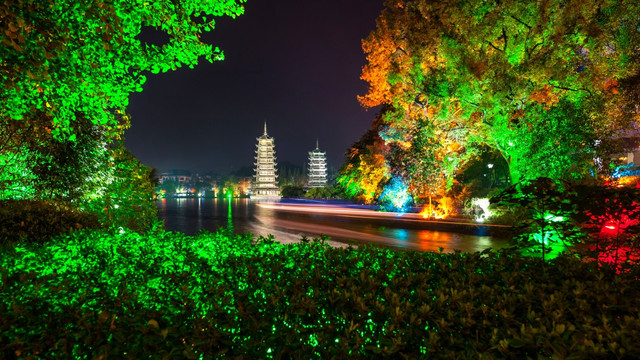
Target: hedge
column 92, row 294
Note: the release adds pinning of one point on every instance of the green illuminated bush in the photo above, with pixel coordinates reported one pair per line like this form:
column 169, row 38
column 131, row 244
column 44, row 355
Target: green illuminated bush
column 546, row 229
column 92, row 294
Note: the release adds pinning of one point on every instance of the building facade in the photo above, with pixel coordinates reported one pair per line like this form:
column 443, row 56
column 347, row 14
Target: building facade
column 317, row 168
column 182, row 177
column 265, row 180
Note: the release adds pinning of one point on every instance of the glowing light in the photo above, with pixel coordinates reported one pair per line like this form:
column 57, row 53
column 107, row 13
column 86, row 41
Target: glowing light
column 554, row 218
column 395, row 196
column 483, row 204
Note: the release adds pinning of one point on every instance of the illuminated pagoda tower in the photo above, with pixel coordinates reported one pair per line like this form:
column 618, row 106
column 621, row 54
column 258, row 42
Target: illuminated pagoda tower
column 264, row 185
column 317, row 168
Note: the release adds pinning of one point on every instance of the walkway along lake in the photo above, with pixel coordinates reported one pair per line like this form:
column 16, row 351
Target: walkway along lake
column 343, row 223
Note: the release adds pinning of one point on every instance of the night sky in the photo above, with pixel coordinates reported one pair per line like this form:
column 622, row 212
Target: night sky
column 294, row 63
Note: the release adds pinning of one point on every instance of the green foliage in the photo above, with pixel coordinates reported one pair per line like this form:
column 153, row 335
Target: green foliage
column 66, row 58
column 547, row 228
column 52, row 168
column 169, row 186
column 68, row 68
column 290, row 174
column 94, row 294
column 325, row 192
column 125, row 197
column 16, row 179
column 292, row 191
column 38, row 221
column 550, row 85
column 556, row 142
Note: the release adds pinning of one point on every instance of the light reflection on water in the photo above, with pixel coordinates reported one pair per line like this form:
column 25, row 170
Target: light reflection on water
column 192, row 215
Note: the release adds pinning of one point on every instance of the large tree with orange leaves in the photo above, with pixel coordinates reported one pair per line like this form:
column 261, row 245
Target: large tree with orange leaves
column 542, row 82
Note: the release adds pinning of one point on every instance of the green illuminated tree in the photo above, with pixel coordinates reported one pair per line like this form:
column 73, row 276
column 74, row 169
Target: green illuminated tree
column 36, row 164
column 67, row 69
column 541, row 82
column 122, row 196
column 68, row 59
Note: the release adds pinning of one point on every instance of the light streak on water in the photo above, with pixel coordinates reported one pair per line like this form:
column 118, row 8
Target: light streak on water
column 344, row 224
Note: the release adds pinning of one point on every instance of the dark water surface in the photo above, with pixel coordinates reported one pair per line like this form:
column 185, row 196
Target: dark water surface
column 248, row 216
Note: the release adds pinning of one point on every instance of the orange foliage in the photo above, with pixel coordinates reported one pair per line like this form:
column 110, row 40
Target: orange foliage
column 442, row 210
column 379, row 47
column 611, row 85
column 544, row 96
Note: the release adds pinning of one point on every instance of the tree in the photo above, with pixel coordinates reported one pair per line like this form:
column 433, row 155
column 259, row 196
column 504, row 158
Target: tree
column 325, row 192
column 291, row 174
column 292, row 191
column 123, row 196
column 366, row 171
column 35, row 164
column 541, row 82
column 69, row 59
column 68, row 68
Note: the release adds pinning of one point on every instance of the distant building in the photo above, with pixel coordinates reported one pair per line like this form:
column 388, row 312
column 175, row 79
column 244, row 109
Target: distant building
column 317, row 168
column 264, row 185
column 180, row 176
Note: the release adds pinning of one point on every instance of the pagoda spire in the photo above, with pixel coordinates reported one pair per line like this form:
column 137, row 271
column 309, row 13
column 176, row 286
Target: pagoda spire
column 265, row 127
column 317, row 146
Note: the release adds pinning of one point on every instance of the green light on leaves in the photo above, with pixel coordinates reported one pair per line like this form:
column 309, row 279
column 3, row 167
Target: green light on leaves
column 554, row 218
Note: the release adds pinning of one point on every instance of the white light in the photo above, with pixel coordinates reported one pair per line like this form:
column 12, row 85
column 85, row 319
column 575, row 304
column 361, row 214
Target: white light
column 483, row 204
column 490, row 166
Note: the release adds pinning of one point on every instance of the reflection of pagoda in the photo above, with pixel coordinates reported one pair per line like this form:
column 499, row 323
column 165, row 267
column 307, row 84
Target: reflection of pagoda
column 317, row 168
column 264, row 185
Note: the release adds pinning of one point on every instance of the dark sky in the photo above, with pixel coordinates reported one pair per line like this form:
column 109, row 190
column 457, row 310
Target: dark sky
column 294, row 63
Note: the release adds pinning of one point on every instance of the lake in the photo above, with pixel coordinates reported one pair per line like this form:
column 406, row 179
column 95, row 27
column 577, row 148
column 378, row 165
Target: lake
column 343, row 222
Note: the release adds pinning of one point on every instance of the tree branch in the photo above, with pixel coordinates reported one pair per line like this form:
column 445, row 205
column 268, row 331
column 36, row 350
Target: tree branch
column 401, row 49
column 484, row 118
column 534, row 47
column 504, row 36
column 569, row 89
column 527, row 53
column 493, row 46
column 520, row 21
column 423, row 107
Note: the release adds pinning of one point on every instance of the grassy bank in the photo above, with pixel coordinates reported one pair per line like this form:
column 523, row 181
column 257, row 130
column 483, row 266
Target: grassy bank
column 93, row 294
